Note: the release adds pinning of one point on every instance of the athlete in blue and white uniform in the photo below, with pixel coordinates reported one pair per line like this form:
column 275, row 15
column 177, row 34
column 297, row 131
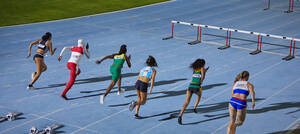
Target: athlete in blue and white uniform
column 44, row 45
column 146, row 74
column 238, row 103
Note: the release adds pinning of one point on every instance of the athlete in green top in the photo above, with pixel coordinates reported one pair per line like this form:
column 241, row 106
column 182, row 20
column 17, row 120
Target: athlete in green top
column 115, row 69
column 195, row 86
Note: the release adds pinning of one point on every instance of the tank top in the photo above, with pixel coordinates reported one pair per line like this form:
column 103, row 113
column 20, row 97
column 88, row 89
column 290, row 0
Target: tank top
column 147, row 72
column 76, row 55
column 241, row 88
column 42, row 45
column 196, row 79
column 119, row 60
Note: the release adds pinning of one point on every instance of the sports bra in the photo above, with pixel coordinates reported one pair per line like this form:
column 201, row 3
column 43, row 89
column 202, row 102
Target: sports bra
column 147, row 72
column 241, row 87
column 42, row 45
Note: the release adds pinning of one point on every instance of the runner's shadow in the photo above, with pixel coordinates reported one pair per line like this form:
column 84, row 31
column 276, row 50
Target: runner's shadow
column 170, row 93
column 89, row 80
column 295, row 131
column 275, row 106
column 127, row 88
column 208, row 108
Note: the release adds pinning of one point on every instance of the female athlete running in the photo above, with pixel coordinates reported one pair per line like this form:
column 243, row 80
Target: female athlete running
column 146, row 74
column 73, row 63
column 195, row 86
column 44, row 45
column 115, row 69
column 238, row 102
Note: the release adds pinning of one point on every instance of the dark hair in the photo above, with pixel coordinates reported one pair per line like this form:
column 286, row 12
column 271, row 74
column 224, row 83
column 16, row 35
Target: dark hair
column 242, row 75
column 199, row 63
column 151, row 61
column 46, row 36
column 123, row 49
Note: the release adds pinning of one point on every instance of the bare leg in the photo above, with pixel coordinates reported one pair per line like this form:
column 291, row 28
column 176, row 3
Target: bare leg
column 141, row 101
column 111, row 85
column 186, row 103
column 40, row 67
column 231, row 126
column 241, row 114
column 199, row 93
column 119, row 84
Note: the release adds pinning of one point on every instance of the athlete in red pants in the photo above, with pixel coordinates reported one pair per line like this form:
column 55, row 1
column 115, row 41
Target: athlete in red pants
column 73, row 63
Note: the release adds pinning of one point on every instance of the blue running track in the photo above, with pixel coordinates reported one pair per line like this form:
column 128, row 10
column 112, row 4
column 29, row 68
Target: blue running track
column 277, row 82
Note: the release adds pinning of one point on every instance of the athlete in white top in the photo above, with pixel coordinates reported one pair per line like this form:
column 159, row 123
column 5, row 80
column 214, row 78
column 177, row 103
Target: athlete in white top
column 238, row 103
column 73, row 63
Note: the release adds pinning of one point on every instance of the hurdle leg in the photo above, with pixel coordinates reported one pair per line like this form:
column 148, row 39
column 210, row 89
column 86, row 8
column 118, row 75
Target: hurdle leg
column 258, row 49
column 291, row 5
column 196, row 41
column 268, row 5
column 290, row 56
column 172, row 34
column 227, row 45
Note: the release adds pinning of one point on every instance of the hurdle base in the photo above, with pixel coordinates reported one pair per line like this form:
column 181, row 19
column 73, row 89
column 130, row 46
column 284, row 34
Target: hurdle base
column 288, row 11
column 194, row 42
column 287, row 58
column 223, row 47
column 166, row 38
column 266, row 8
column 255, row 52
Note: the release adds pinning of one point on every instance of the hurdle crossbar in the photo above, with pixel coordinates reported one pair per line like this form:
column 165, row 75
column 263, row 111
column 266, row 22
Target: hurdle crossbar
column 259, row 43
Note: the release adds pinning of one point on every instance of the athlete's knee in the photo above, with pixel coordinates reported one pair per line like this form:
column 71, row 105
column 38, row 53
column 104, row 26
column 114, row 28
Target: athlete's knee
column 239, row 123
column 44, row 68
column 143, row 101
column 71, row 81
column 186, row 103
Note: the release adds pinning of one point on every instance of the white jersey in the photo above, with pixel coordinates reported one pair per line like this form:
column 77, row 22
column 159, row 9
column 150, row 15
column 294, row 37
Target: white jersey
column 77, row 53
column 241, row 87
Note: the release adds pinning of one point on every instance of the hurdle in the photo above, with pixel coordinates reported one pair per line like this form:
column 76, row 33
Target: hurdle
column 291, row 6
column 228, row 37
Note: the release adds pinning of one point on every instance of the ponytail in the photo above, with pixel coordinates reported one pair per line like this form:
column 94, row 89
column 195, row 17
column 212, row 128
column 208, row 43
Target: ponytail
column 242, row 75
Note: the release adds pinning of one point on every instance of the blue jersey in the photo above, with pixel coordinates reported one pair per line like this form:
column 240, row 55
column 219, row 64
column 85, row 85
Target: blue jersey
column 147, row 72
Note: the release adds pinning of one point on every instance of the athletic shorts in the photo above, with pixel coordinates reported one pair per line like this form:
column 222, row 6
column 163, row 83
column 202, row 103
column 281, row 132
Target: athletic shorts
column 115, row 72
column 142, row 86
column 38, row 56
column 238, row 103
column 194, row 90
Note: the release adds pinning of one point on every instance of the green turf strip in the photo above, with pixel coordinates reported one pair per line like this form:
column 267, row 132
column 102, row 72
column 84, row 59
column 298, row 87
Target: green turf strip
column 14, row 12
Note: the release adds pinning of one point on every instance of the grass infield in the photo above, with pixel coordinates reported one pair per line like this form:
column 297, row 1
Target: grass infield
column 15, row 12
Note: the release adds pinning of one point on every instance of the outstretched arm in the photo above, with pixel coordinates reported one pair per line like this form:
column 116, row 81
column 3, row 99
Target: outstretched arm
column 252, row 92
column 152, row 81
column 30, row 46
column 62, row 52
column 104, row 58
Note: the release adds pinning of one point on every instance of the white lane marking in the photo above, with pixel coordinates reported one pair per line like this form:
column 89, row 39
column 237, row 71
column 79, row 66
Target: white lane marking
column 292, row 124
column 220, row 93
column 91, row 15
column 93, row 123
column 58, row 110
column 72, row 125
column 281, row 90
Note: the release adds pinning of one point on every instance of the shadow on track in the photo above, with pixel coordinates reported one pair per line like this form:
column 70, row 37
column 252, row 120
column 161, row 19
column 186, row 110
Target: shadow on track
column 127, row 88
column 170, row 93
column 89, row 80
